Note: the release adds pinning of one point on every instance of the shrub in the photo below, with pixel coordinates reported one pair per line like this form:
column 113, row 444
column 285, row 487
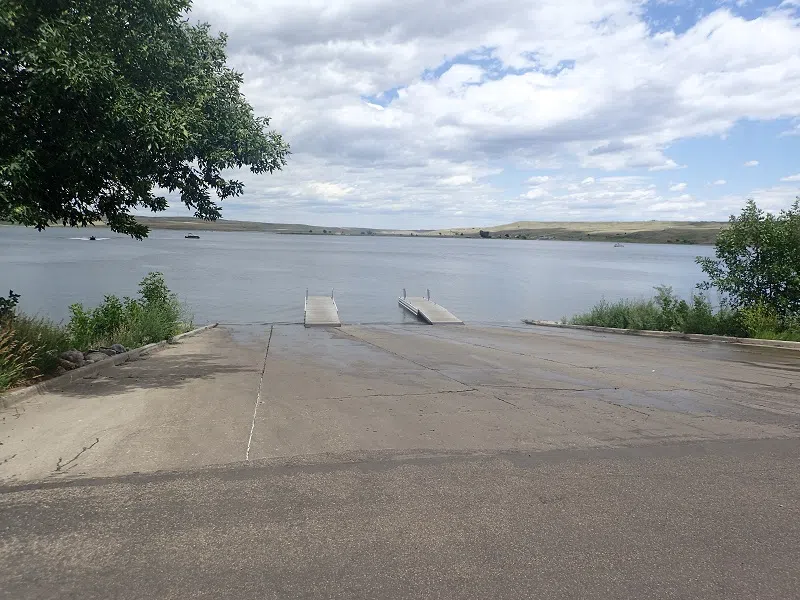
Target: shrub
column 80, row 326
column 729, row 322
column 155, row 315
column 8, row 305
column 760, row 320
column 697, row 316
column 672, row 311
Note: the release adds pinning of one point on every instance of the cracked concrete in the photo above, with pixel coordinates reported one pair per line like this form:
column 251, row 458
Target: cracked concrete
column 214, row 399
column 404, row 462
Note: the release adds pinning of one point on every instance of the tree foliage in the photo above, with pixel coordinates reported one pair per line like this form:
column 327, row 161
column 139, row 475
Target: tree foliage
column 757, row 262
column 105, row 102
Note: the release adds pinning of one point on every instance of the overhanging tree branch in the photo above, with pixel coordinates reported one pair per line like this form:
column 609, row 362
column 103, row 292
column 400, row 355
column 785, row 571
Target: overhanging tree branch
column 104, row 101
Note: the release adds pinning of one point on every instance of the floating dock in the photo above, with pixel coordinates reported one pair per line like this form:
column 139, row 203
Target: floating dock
column 427, row 310
column 321, row 311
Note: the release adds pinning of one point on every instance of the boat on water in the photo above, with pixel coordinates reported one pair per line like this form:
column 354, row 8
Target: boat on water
column 618, row 245
column 191, row 236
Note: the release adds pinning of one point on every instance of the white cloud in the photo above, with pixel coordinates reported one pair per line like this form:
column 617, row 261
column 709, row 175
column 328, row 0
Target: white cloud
column 678, row 187
column 772, row 199
column 791, row 178
column 588, row 181
column 751, row 163
column 669, row 165
column 720, row 182
column 456, row 180
column 676, row 205
column 538, row 179
column 536, row 193
column 329, row 190
column 349, row 83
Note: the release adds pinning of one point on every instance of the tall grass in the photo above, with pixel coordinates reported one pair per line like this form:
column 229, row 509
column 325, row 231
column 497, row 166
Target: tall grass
column 622, row 314
column 46, row 339
column 667, row 312
column 16, row 357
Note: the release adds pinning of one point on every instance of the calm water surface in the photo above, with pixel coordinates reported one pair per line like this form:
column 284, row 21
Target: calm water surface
column 258, row 277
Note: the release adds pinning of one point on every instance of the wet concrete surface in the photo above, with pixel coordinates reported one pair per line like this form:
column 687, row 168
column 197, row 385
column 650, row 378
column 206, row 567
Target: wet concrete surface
column 409, row 461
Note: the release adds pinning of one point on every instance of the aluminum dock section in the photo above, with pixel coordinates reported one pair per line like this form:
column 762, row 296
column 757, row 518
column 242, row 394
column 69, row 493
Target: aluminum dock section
column 427, row 310
column 321, row 311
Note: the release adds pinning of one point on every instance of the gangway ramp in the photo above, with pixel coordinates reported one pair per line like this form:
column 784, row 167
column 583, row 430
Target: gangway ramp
column 321, row 311
column 427, row 310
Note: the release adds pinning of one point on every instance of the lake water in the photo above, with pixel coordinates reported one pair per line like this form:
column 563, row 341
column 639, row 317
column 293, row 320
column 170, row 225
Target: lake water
column 258, row 277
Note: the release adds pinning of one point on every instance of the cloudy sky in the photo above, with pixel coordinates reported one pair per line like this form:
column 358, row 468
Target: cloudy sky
column 433, row 113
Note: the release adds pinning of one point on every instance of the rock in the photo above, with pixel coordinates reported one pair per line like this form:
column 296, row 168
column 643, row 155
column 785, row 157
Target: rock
column 66, row 365
column 93, row 357
column 73, row 356
column 107, row 351
column 60, row 370
column 118, row 348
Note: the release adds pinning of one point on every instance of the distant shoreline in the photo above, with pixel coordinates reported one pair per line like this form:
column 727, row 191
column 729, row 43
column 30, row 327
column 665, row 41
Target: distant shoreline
column 640, row 232
column 647, row 232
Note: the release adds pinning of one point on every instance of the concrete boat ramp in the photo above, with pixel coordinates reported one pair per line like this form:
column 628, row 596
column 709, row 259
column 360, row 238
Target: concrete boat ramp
column 395, row 462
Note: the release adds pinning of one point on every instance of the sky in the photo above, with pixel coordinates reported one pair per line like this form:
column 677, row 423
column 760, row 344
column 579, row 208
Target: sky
column 438, row 113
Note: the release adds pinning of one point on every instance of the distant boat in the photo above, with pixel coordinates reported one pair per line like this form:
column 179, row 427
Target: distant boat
column 91, row 237
column 618, row 245
column 192, row 236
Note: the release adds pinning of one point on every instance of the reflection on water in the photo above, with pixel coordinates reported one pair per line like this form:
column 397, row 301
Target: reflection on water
column 257, row 277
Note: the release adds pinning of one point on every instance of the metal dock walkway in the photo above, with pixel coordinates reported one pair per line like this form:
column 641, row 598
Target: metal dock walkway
column 427, row 310
column 321, row 311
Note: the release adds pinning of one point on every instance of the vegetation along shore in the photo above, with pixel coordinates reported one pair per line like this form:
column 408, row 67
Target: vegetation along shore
column 756, row 270
column 35, row 348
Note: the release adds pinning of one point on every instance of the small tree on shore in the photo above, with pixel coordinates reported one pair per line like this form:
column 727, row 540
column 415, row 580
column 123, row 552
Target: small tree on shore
column 757, row 260
column 105, row 101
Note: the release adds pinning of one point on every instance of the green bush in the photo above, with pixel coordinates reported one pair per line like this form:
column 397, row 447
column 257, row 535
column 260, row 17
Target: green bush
column 30, row 346
column 760, row 320
column 155, row 315
column 729, row 322
column 697, row 316
column 80, row 327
